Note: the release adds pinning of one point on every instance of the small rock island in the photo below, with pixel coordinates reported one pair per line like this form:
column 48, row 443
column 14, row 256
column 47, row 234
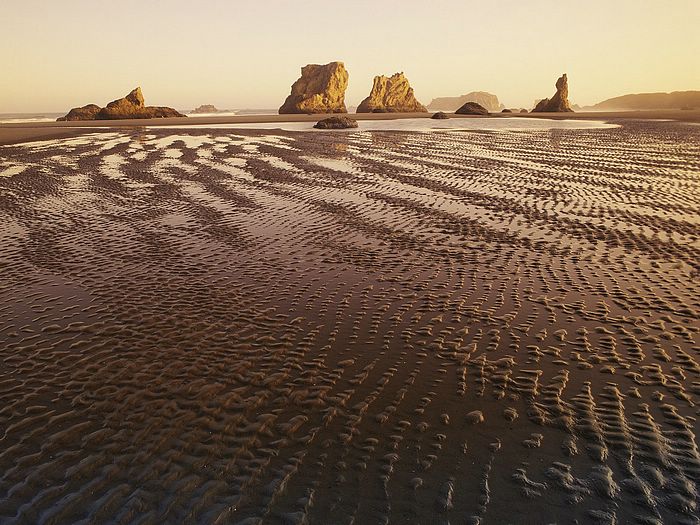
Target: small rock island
column 472, row 108
column 391, row 94
column 320, row 89
column 559, row 103
column 205, row 108
column 131, row 106
column 487, row 100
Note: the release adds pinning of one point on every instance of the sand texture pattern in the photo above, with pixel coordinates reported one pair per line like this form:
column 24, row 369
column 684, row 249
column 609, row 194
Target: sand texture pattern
column 237, row 326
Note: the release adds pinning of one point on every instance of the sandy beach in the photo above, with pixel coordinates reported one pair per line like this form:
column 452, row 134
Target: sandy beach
column 311, row 263
column 266, row 326
column 13, row 133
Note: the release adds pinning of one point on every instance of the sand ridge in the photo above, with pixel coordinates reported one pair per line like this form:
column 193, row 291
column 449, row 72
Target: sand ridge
column 231, row 326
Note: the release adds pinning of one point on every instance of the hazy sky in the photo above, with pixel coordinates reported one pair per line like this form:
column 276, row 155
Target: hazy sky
column 55, row 55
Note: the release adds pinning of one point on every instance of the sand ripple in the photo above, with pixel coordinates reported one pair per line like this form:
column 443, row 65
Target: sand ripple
column 231, row 326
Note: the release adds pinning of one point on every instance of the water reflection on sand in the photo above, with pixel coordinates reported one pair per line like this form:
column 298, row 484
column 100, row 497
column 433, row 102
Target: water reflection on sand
column 426, row 124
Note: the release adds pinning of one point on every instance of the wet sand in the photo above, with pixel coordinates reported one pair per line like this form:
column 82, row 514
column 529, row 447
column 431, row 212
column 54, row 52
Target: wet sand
column 20, row 132
column 239, row 326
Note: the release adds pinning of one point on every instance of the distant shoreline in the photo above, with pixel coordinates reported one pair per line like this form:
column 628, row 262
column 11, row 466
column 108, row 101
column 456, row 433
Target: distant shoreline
column 13, row 133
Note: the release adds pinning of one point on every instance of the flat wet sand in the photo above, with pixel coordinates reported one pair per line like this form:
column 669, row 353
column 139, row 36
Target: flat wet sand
column 240, row 326
column 15, row 133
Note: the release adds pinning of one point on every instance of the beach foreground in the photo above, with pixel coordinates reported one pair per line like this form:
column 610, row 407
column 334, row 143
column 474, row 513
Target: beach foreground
column 240, row 326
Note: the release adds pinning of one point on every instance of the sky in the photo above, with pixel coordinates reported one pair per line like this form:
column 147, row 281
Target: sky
column 238, row 54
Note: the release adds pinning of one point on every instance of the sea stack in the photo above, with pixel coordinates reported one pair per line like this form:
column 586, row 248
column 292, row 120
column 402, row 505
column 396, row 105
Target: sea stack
column 559, row 102
column 391, row 95
column 131, row 106
column 320, row 89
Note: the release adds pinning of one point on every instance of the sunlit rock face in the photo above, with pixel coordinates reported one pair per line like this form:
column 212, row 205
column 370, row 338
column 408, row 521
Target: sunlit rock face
column 391, row 94
column 559, row 102
column 320, row 89
column 131, row 106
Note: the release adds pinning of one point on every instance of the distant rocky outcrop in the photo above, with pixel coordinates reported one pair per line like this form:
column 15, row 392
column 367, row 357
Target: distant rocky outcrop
column 320, row 89
column 88, row 112
column 440, row 116
column 559, row 102
column 336, row 123
column 472, row 108
column 391, row 95
column 641, row 101
column 205, row 108
column 487, row 100
column 131, row 106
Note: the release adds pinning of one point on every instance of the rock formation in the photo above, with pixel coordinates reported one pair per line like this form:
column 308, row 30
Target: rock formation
column 440, row 116
column 488, row 100
column 205, row 108
column 391, row 95
column 127, row 105
column 84, row 113
column 320, row 89
column 472, row 108
column 336, row 123
column 559, row 102
column 130, row 107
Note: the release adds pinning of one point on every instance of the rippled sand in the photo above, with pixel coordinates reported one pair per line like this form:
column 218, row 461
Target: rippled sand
column 231, row 326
